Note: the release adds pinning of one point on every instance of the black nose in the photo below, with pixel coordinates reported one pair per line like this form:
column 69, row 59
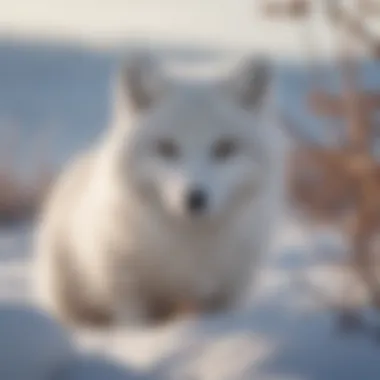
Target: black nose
column 196, row 201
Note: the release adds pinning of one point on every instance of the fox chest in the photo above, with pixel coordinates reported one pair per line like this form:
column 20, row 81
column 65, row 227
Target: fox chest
column 197, row 268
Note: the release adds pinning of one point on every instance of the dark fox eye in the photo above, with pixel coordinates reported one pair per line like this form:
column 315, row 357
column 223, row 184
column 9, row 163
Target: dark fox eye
column 167, row 149
column 224, row 149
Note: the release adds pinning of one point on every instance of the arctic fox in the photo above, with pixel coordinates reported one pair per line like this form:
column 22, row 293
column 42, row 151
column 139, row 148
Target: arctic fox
column 174, row 205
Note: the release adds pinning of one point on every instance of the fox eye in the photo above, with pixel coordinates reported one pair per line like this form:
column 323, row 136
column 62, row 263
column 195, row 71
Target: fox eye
column 167, row 149
column 224, row 149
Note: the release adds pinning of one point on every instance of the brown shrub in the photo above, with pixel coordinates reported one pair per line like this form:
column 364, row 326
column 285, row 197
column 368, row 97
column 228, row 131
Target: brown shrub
column 20, row 198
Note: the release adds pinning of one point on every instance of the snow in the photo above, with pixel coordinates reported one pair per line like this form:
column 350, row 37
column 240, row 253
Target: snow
column 281, row 334
column 56, row 60
column 32, row 346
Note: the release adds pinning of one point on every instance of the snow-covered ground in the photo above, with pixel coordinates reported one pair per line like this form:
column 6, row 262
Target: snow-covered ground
column 284, row 333
column 56, row 59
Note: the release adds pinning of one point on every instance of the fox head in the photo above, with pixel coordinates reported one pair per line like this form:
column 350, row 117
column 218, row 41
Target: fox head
column 193, row 151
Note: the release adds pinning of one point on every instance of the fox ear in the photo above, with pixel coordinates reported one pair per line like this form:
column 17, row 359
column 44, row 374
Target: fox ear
column 140, row 81
column 250, row 83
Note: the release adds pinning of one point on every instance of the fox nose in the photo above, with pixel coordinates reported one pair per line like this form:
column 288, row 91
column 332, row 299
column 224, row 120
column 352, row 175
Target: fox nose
column 196, row 201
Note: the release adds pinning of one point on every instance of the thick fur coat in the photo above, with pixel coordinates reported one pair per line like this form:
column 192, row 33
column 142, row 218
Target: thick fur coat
column 173, row 207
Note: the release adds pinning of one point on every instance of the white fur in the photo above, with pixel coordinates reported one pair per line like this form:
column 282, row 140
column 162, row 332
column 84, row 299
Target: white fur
column 116, row 218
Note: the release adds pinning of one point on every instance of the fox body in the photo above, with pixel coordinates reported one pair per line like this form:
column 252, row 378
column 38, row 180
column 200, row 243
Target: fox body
column 173, row 207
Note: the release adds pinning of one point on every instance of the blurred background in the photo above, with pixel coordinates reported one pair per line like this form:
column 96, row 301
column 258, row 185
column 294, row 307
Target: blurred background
column 57, row 59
